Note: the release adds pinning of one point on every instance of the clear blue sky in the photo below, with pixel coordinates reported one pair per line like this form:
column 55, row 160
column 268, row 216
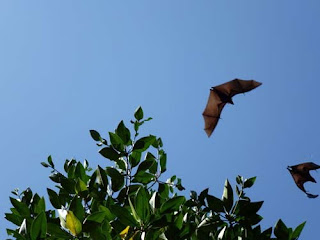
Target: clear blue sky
column 71, row 66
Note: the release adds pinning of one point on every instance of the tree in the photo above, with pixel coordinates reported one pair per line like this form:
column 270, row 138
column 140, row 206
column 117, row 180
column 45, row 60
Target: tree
column 130, row 201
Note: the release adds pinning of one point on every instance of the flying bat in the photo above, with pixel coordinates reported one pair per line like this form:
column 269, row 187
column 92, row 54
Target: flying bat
column 300, row 174
column 220, row 96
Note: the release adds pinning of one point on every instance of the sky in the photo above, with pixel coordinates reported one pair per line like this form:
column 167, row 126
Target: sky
column 70, row 66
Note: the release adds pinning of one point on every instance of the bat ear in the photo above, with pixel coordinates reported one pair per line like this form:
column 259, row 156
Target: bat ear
column 289, row 168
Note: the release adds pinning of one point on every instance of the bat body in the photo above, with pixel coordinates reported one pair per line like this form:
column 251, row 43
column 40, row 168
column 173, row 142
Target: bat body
column 301, row 174
column 221, row 95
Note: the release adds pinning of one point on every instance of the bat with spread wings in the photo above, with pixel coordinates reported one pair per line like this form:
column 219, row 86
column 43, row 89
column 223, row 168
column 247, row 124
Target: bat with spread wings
column 220, row 96
column 301, row 174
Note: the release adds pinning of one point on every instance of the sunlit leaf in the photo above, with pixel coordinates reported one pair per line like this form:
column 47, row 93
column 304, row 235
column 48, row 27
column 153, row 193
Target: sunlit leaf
column 73, row 224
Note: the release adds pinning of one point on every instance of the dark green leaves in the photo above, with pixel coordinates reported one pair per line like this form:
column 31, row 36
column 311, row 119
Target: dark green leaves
column 227, row 196
column 95, row 135
column 215, row 204
column 249, row 182
column 129, row 199
column 142, row 204
column 143, row 143
column 163, row 161
column 138, row 114
column 281, row 231
column 38, row 228
column 54, row 198
column 20, row 207
column 117, row 179
column 110, row 153
column 123, row 133
column 172, row 204
column 296, row 233
column 124, row 215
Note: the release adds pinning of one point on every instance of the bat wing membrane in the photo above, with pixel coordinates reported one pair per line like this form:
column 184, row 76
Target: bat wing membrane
column 301, row 175
column 237, row 86
column 212, row 112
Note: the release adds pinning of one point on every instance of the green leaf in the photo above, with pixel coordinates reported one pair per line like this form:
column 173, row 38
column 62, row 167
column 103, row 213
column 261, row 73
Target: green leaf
column 138, row 114
column 80, row 172
column 145, row 165
column 98, row 217
column 38, row 228
column 178, row 222
column 135, row 158
column 117, row 180
column 143, row 177
column 27, row 196
column 103, row 214
column 40, row 206
column 247, row 208
column 296, row 233
column 68, row 185
column 163, row 190
column 116, row 141
column 266, row 234
column 56, row 231
column 54, row 198
column 50, row 161
column 21, row 207
column 249, row 182
column 45, row 164
column 77, row 208
column 134, row 213
column 281, row 231
column 110, row 153
column 172, row 204
column 102, row 178
column 239, row 179
column 123, row 215
column 123, row 133
column 179, row 185
column 215, row 204
column 163, row 161
column 142, row 204
column 14, row 218
column 203, row 195
column 121, row 164
column 57, row 177
column 143, row 143
column 227, row 196
column 80, row 186
column 95, row 135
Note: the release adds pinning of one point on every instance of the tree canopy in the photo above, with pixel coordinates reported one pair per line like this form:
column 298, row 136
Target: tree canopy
column 129, row 200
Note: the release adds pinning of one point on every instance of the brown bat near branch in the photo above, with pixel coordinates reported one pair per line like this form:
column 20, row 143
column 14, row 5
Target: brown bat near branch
column 219, row 96
column 300, row 174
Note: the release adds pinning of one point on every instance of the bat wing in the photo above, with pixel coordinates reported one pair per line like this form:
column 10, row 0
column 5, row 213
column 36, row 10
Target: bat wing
column 237, row 86
column 306, row 166
column 300, row 178
column 211, row 113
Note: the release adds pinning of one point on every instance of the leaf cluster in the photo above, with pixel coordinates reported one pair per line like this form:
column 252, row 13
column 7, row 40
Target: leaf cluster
column 128, row 200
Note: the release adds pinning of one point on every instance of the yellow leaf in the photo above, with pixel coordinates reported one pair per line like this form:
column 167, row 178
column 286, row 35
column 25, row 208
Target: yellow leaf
column 124, row 232
column 73, row 224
